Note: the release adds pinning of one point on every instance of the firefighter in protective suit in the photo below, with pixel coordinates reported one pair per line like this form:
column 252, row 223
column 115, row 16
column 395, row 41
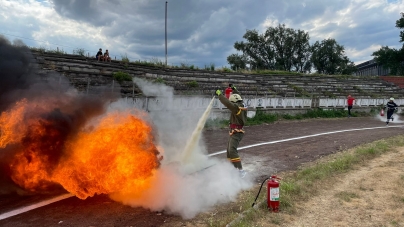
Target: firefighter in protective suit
column 238, row 118
column 391, row 106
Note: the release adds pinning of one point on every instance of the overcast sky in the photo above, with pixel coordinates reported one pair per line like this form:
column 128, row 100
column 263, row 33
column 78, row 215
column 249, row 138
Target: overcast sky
column 200, row 32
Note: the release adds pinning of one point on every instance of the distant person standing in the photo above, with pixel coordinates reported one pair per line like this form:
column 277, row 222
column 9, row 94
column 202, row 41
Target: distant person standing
column 228, row 91
column 350, row 101
column 391, row 107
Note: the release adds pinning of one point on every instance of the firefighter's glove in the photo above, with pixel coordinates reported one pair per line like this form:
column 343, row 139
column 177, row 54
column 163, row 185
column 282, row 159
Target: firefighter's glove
column 218, row 92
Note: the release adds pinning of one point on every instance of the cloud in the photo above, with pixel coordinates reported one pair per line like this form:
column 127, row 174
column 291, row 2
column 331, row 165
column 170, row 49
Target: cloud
column 199, row 32
column 97, row 13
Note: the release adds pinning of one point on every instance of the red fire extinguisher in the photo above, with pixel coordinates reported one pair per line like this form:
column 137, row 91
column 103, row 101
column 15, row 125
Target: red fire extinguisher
column 382, row 112
column 272, row 195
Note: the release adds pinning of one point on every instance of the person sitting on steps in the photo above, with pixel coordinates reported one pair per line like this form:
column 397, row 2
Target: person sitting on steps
column 106, row 56
column 99, row 55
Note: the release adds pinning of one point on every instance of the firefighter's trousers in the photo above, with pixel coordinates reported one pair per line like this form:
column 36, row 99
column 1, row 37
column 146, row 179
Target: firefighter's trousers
column 232, row 145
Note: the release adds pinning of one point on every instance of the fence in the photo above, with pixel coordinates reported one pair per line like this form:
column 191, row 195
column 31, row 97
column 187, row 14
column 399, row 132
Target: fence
column 183, row 102
column 189, row 102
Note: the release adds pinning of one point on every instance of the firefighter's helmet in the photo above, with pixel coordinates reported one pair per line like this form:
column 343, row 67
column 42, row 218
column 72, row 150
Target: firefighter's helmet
column 235, row 98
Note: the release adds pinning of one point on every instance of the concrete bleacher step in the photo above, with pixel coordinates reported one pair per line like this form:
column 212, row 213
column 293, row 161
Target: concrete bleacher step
column 78, row 68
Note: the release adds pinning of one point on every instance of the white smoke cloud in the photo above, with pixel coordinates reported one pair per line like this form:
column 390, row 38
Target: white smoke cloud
column 189, row 194
column 174, row 125
column 183, row 187
column 154, row 89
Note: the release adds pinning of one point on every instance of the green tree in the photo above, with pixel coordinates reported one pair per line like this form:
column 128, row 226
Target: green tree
column 301, row 57
column 259, row 51
column 347, row 67
column 392, row 58
column 283, row 41
column 328, row 57
column 237, row 61
column 400, row 25
column 278, row 48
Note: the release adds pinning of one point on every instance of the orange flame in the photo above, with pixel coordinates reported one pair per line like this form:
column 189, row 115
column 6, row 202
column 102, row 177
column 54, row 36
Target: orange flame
column 10, row 127
column 116, row 155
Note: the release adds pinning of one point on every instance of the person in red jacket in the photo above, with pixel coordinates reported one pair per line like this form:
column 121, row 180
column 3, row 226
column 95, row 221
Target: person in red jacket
column 228, row 91
column 350, row 101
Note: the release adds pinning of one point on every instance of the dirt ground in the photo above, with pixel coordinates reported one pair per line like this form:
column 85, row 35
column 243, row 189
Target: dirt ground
column 371, row 195
column 261, row 162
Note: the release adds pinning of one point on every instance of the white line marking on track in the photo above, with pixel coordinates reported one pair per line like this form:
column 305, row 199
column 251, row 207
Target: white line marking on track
column 34, row 206
column 303, row 137
column 65, row 196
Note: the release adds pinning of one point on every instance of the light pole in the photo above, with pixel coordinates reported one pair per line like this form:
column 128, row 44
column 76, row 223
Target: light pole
column 166, row 33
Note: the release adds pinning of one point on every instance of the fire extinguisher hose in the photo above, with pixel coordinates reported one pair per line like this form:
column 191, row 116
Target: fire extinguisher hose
column 259, row 191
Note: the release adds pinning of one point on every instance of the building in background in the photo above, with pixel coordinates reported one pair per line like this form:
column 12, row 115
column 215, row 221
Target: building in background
column 371, row 68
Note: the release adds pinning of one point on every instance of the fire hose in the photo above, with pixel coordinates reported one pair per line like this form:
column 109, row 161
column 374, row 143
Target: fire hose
column 259, row 191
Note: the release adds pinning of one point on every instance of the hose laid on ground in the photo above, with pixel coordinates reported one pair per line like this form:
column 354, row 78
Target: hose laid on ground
column 259, row 191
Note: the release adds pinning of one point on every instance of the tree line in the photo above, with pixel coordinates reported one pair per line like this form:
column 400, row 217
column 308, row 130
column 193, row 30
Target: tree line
column 392, row 58
column 287, row 49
